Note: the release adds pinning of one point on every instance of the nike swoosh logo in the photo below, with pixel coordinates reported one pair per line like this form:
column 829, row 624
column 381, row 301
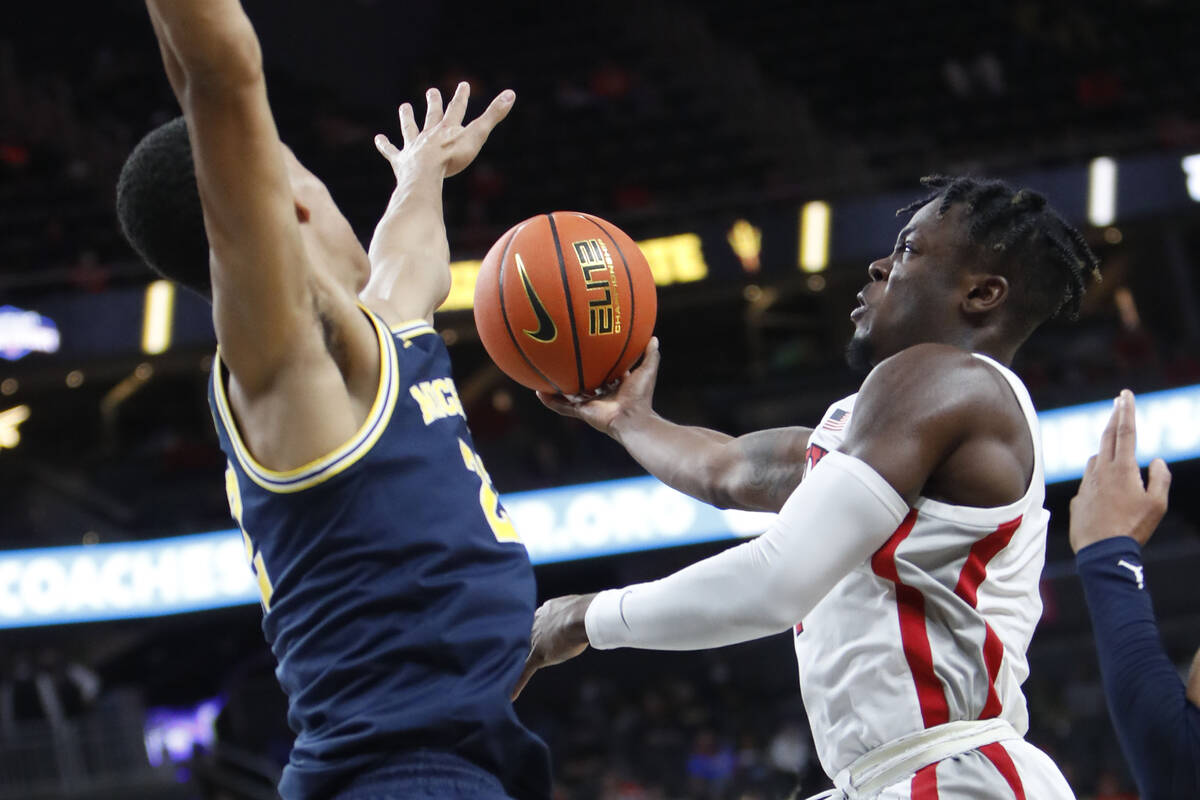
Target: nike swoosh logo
column 546, row 331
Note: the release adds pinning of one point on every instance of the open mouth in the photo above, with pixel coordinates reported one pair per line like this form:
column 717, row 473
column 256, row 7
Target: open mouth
column 860, row 309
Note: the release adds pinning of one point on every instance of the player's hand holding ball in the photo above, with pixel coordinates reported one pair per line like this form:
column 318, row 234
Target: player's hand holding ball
column 630, row 399
column 565, row 304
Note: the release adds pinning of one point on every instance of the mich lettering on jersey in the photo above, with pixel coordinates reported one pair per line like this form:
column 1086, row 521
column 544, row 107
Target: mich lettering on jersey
column 438, row 399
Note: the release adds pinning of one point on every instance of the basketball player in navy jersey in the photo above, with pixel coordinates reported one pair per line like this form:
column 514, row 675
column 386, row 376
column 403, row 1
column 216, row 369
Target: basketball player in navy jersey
column 910, row 539
column 397, row 596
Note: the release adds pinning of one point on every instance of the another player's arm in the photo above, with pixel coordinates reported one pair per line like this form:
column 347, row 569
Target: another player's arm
column 262, row 302
column 914, row 411
column 1156, row 715
column 755, row 472
column 410, row 256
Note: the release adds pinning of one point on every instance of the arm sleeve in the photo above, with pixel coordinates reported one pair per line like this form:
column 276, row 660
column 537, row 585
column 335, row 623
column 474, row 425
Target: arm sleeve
column 1159, row 729
column 834, row 520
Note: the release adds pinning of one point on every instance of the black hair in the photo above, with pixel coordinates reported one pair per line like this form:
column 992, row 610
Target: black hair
column 1046, row 260
column 158, row 206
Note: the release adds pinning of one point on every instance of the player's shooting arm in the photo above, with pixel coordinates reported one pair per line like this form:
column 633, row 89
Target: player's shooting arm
column 755, row 472
column 410, row 256
column 262, row 302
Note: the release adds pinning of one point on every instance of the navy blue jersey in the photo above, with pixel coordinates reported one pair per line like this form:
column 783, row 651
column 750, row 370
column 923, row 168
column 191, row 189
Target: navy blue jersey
column 397, row 597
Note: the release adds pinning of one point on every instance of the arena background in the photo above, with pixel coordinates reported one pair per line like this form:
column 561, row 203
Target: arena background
column 759, row 149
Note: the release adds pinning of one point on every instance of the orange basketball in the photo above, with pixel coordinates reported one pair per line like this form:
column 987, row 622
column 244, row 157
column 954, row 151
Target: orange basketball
column 565, row 302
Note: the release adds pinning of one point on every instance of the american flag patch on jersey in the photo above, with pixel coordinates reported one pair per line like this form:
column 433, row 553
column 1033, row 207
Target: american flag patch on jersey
column 837, row 420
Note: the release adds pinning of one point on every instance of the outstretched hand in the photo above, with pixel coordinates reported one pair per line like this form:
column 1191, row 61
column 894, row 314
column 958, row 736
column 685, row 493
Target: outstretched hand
column 1112, row 500
column 443, row 141
column 632, row 396
column 558, row 635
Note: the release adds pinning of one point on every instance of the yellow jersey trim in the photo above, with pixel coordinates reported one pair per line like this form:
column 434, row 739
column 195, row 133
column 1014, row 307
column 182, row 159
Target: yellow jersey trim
column 334, row 463
column 412, row 328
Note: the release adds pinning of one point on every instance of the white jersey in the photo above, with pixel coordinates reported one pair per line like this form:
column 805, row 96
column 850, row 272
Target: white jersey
column 934, row 627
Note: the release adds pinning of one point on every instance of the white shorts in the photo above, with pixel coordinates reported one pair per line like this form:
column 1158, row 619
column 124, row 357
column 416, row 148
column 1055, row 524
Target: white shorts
column 956, row 761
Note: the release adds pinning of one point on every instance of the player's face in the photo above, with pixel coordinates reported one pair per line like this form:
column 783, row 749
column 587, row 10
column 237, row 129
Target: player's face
column 327, row 229
column 914, row 292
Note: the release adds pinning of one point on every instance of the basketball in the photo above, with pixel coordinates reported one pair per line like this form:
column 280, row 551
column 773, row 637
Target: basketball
column 565, row 302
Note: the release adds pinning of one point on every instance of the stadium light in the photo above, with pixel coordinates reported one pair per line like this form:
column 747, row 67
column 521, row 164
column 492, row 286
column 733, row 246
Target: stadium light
column 158, row 317
column 1191, row 168
column 814, row 236
column 746, row 242
column 1102, row 191
column 10, row 422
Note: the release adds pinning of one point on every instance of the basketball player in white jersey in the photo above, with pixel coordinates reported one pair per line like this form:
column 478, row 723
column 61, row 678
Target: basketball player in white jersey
column 911, row 534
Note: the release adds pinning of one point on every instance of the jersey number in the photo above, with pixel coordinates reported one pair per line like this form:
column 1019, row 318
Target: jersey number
column 496, row 516
column 234, row 494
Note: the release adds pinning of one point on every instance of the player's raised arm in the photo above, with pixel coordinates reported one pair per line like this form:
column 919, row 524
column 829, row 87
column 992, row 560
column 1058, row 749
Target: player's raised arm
column 262, row 304
column 410, row 257
column 1114, row 514
column 755, row 472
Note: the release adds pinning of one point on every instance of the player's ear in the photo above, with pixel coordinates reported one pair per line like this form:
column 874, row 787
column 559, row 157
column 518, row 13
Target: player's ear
column 985, row 293
column 302, row 212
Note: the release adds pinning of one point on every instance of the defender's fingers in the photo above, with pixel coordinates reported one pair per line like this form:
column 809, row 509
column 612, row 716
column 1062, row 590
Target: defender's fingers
column 385, row 147
column 492, row 116
column 1159, row 484
column 456, row 109
column 1108, row 439
column 433, row 108
column 1126, row 444
column 408, row 124
column 1090, row 468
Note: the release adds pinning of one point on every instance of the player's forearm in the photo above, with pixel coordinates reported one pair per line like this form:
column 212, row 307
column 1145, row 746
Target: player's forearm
column 754, row 472
column 409, row 251
column 1159, row 729
column 211, row 41
column 691, row 459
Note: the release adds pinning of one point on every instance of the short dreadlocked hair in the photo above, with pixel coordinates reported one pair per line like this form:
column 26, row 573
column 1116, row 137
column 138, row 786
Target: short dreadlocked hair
column 158, row 206
column 1046, row 260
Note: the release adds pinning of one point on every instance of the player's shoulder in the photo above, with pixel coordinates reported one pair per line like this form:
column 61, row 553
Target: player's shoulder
column 936, row 380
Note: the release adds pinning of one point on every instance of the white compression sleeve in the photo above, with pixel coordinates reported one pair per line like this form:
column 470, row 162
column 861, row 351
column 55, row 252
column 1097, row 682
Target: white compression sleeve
column 840, row 514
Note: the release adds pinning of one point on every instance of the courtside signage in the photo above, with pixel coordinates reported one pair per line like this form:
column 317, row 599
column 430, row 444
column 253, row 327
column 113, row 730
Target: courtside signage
column 131, row 579
column 191, row 573
column 1168, row 427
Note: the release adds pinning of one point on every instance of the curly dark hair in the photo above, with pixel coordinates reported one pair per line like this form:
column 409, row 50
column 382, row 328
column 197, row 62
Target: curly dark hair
column 1046, row 260
column 158, row 206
